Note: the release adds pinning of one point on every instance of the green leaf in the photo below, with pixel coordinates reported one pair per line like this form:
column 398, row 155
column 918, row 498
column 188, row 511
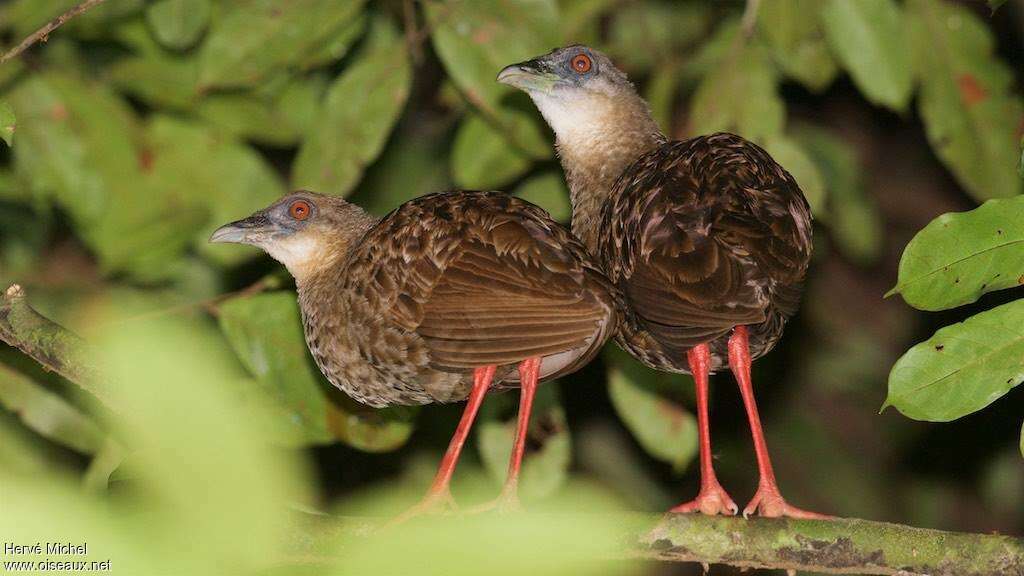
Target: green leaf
column 970, row 113
column 27, row 16
column 178, row 24
column 8, row 123
column 253, row 38
column 544, row 470
column 648, row 35
column 548, row 191
column 475, row 40
column 78, row 144
column 337, row 45
column 358, row 113
column 159, row 79
column 852, row 215
column 962, row 368
column 959, row 256
column 48, row 414
column 739, row 93
column 793, row 31
column 869, row 38
column 995, row 4
column 791, row 155
column 198, row 166
column 665, row 429
column 266, row 332
column 481, row 156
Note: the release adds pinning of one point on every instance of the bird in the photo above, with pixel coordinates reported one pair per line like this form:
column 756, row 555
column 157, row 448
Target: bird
column 708, row 239
column 449, row 296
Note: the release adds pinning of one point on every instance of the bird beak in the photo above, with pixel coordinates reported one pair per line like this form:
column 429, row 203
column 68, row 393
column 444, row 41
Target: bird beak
column 529, row 76
column 245, row 231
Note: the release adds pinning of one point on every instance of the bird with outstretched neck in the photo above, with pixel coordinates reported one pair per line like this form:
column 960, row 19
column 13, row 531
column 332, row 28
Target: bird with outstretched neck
column 439, row 301
column 709, row 239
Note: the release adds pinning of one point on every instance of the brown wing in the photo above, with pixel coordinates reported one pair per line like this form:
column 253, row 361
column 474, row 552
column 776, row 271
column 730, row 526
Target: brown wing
column 706, row 234
column 485, row 278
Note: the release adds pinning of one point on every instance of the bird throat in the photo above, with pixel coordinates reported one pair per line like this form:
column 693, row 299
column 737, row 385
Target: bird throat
column 596, row 150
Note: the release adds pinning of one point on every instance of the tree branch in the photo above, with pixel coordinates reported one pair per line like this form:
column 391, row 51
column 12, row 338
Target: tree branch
column 43, row 33
column 54, row 347
column 838, row 546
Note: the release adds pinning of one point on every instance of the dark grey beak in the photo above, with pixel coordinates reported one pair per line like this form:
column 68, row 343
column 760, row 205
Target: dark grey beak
column 532, row 75
column 244, row 231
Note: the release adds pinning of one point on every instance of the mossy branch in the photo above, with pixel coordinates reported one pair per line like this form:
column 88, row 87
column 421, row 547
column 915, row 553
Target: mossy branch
column 835, row 546
column 54, row 347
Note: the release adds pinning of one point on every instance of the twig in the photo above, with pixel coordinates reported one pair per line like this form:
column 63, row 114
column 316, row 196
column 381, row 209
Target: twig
column 838, row 546
column 54, row 347
column 413, row 40
column 750, row 17
column 43, row 33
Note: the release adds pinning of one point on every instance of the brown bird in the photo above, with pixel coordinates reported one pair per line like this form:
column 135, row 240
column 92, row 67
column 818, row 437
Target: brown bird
column 438, row 301
column 709, row 239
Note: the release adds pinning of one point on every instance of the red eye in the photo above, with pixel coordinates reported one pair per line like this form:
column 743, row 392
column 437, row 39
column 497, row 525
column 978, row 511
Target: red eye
column 581, row 63
column 299, row 210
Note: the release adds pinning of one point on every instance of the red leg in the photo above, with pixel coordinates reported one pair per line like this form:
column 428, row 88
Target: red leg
column 712, row 498
column 529, row 374
column 768, row 500
column 439, row 494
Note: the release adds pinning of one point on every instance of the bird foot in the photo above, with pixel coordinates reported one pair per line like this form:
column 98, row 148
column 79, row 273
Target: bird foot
column 506, row 503
column 768, row 502
column 712, row 499
column 433, row 504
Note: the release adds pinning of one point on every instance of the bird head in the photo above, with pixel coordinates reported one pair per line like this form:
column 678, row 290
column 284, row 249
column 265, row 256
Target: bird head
column 575, row 88
column 304, row 230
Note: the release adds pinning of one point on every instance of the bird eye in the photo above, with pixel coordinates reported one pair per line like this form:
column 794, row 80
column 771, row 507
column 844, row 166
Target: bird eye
column 299, row 210
column 581, row 63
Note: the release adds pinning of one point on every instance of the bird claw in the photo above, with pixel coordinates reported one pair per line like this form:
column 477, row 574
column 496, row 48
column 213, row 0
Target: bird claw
column 768, row 502
column 712, row 500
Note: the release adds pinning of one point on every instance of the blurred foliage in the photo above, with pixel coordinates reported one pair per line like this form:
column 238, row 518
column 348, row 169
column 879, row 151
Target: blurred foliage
column 143, row 125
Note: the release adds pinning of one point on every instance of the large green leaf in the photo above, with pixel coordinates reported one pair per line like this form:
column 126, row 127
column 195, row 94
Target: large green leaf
column 47, row 413
column 159, row 79
column 962, row 368
column 958, row 257
column 78, row 143
column 648, row 35
column 545, row 469
column 852, row 215
column 665, row 429
column 739, row 94
column 547, row 190
column 195, row 165
column 8, row 123
column 178, row 24
column 266, row 332
column 793, row 31
column 482, row 158
column 869, row 38
column 253, row 38
column 358, row 113
column 792, row 156
column 476, row 39
column 970, row 114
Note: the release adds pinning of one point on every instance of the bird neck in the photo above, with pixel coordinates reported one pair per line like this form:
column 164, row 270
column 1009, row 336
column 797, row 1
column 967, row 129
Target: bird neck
column 325, row 253
column 597, row 148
